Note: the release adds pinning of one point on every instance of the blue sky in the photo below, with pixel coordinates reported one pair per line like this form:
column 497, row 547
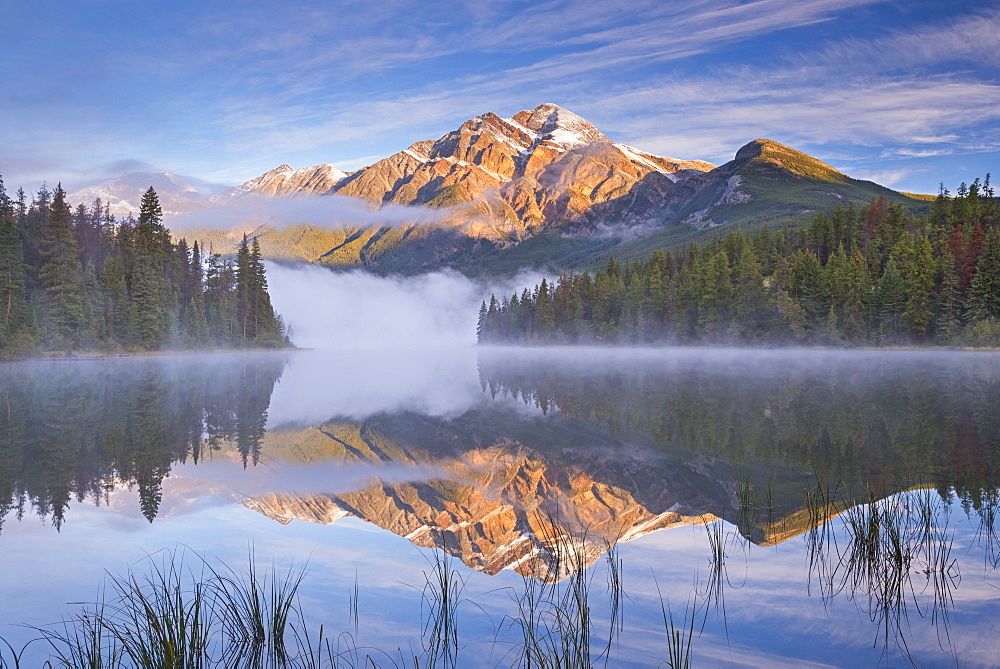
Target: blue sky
column 905, row 93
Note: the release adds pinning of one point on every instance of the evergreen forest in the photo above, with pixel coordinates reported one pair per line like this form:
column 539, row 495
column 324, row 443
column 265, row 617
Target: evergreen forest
column 854, row 276
column 82, row 280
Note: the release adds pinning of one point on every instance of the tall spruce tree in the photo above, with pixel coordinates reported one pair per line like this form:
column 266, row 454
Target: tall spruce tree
column 13, row 307
column 150, row 292
column 60, row 276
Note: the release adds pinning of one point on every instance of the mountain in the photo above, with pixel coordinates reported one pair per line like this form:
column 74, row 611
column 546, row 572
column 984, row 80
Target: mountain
column 542, row 188
column 766, row 182
column 546, row 187
column 123, row 194
column 284, row 181
column 543, row 168
column 499, row 507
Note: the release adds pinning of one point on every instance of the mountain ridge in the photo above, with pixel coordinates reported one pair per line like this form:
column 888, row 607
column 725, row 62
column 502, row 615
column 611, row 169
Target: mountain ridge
column 543, row 187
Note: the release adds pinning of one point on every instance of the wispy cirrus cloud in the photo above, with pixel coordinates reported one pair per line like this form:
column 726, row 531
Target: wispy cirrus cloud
column 226, row 90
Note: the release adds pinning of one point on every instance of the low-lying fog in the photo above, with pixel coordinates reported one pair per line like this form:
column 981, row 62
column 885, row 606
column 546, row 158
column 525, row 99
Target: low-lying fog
column 359, row 310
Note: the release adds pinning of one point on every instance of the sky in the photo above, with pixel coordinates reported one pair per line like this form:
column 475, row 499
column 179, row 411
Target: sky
column 905, row 93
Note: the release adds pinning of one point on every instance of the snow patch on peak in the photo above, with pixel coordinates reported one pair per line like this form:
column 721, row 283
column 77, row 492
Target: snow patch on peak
column 411, row 153
column 557, row 126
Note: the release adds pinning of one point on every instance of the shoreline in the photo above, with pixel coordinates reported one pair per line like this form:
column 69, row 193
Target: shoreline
column 99, row 355
column 736, row 347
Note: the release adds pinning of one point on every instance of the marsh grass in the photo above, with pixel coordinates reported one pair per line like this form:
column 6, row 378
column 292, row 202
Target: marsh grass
column 167, row 613
column 895, row 533
column 987, row 537
column 679, row 634
column 554, row 618
column 822, row 501
column 442, row 594
column 894, row 560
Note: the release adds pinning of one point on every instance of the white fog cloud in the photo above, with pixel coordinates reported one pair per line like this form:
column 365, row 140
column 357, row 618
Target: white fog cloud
column 357, row 310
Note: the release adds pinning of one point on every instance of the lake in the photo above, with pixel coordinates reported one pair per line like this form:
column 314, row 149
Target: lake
column 477, row 507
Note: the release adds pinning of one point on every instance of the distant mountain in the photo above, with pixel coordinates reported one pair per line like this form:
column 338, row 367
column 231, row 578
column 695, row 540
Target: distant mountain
column 284, row 181
column 544, row 187
column 123, row 194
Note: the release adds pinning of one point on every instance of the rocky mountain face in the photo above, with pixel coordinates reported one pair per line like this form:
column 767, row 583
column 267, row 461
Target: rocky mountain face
column 542, row 168
column 283, row 181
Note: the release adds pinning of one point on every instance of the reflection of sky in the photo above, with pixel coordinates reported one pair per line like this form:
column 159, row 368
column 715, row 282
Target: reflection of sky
column 321, row 385
column 769, row 619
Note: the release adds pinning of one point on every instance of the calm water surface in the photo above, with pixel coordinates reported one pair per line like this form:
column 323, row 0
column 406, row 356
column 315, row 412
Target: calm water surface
column 764, row 491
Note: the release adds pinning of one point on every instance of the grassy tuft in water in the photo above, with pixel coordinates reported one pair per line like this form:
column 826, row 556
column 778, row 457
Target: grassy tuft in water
column 165, row 613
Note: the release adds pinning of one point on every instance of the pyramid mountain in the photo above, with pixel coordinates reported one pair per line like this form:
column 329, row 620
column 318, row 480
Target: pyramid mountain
column 544, row 187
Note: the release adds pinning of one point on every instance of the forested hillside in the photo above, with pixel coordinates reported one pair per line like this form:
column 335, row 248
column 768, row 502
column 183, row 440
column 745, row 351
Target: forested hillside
column 84, row 280
column 854, row 276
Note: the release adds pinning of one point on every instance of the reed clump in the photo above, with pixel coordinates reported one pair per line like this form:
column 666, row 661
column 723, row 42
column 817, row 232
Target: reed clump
column 177, row 610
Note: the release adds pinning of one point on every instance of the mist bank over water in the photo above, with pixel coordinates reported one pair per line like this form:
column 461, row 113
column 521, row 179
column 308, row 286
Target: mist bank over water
column 324, row 385
column 358, row 310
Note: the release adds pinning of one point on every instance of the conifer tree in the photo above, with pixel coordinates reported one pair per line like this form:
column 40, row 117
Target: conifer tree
column 265, row 325
column 949, row 319
column 716, row 295
column 984, row 294
column 920, row 289
column 544, row 317
column 60, row 275
column 150, row 292
column 481, row 324
column 750, row 298
column 891, row 301
column 13, row 308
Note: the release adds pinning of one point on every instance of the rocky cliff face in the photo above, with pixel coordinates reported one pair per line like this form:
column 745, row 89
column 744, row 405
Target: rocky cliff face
column 496, row 182
column 543, row 167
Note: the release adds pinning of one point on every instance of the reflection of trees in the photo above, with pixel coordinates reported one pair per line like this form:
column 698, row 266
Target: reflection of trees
column 856, row 420
column 73, row 430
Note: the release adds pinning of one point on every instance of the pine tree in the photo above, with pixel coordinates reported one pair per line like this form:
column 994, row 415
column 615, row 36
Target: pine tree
column 196, row 325
column 751, row 300
column 857, row 299
column 265, row 325
column 892, row 301
column 60, row 276
column 13, row 307
column 920, row 286
column 150, row 290
column 244, row 292
column 544, row 316
column 949, row 320
column 481, row 324
column 984, row 294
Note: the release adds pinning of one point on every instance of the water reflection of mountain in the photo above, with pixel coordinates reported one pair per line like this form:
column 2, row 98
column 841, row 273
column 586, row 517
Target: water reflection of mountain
column 76, row 429
column 608, row 446
column 487, row 498
column 616, row 448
